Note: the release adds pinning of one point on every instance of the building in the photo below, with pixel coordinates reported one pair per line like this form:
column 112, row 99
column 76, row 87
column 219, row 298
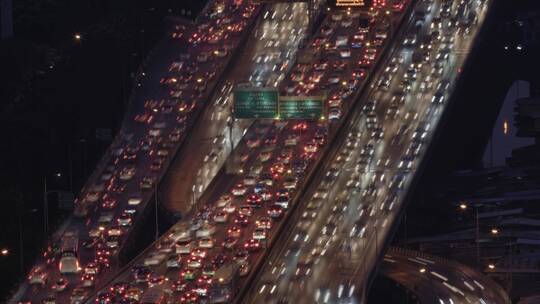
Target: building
column 6, row 19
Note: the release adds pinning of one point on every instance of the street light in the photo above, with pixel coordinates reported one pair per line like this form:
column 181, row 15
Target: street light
column 463, row 206
column 491, row 266
column 77, row 37
column 422, row 270
column 46, row 192
column 4, row 252
column 494, row 231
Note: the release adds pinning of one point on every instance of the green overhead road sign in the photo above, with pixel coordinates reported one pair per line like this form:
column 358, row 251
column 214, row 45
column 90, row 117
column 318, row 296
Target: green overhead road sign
column 301, row 107
column 253, row 102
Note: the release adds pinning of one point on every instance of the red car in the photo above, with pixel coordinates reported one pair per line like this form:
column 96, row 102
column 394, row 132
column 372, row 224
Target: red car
column 242, row 219
column 189, row 297
column 234, row 231
column 109, row 203
column 252, row 245
column 254, row 200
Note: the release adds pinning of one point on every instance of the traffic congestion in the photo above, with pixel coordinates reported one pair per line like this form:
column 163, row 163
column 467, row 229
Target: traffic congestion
column 303, row 208
column 208, row 256
column 84, row 252
column 342, row 227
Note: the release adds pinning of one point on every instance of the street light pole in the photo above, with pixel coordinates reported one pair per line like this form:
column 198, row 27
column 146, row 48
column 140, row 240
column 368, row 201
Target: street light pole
column 21, row 244
column 477, row 238
column 45, row 209
column 156, row 207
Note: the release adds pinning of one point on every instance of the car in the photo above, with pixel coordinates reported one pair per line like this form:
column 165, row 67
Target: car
column 200, row 253
column 124, row 219
column 134, row 293
column 263, row 222
column 180, row 285
column 60, row 285
column 230, row 208
column 147, row 183
column 78, row 295
column 230, row 242
column 283, row 201
column 37, row 276
column 206, row 242
column 154, row 259
column 259, row 233
column 334, row 114
column 290, row 183
column 189, row 297
column 239, row 190
column 253, row 143
column 234, row 231
column 221, row 217
column 119, row 288
column 242, row 220
column 253, row 200
column 88, row 280
column 252, row 245
column 250, row 180
column 174, row 261
column 114, row 231
column 223, row 200
column 194, row 262
column 311, row 147
column 184, row 246
column 275, row 211
column 438, row 98
column 410, row 39
column 205, row 230
column 92, row 268
column 134, row 200
column 127, row 173
column 112, row 241
column 187, row 274
column 292, row 140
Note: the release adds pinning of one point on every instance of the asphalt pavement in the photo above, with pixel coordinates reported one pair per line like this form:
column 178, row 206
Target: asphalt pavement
column 348, row 218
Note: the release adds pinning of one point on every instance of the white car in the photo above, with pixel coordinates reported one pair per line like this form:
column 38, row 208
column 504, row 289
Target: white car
column 223, row 200
column 334, row 114
column 239, row 190
column 127, row 173
column 259, row 233
column 229, row 208
column 250, row 180
column 221, row 217
column 205, row 231
column 206, row 243
column 174, row 261
column 134, row 201
column 291, row 140
column 154, row 259
column 184, row 246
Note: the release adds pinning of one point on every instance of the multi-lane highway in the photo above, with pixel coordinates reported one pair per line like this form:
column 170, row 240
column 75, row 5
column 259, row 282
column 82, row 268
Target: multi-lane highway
column 435, row 280
column 356, row 186
column 342, row 226
column 268, row 55
column 243, row 212
column 170, row 93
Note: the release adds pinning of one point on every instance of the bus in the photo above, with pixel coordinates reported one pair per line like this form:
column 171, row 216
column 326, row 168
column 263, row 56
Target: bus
column 69, row 250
